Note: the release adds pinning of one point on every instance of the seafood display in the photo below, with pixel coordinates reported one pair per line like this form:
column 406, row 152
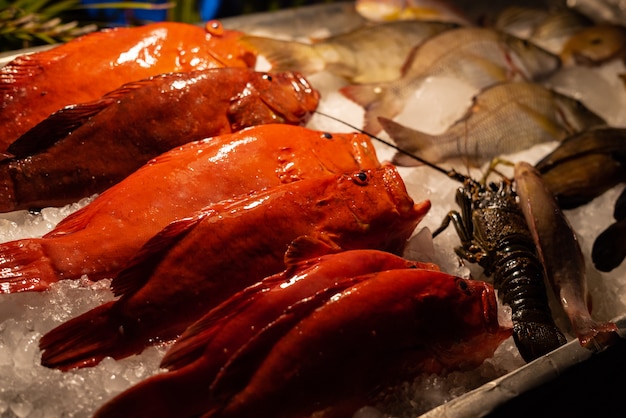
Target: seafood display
column 478, row 56
column 502, row 119
column 86, row 148
column 333, row 338
column 561, row 256
column 284, row 264
column 197, row 356
column 494, row 233
column 34, row 86
column 196, row 262
column 100, row 238
column 372, row 53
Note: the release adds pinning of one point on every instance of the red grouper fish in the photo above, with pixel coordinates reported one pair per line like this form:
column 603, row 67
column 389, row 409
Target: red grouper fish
column 84, row 149
column 386, row 328
column 196, row 263
column 100, row 238
column 36, row 85
column 198, row 355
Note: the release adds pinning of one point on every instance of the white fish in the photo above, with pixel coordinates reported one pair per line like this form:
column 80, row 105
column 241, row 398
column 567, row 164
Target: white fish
column 504, row 118
column 478, row 56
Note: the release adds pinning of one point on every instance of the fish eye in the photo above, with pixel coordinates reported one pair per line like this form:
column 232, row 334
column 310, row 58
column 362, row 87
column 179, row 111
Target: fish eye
column 214, row 27
column 267, row 77
column 462, row 284
column 361, row 178
column 327, row 135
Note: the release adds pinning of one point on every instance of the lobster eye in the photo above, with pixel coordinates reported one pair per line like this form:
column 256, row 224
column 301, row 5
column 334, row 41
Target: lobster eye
column 361, row 178
column 267, row 77
column 327, row 135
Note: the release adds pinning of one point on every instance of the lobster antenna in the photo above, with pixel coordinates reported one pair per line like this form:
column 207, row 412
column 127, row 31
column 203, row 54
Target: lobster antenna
column 453, row 174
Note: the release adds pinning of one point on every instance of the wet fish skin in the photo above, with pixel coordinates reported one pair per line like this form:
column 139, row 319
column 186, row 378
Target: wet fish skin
column 36, row 85
column 562, row 257
column 86, row 148
column 502, row 119
column 479, row 56
column 198, row 354
column 197, row 262
column 546, row 28
column 595, row 45
column 585, row 165
column 371, row 53
column 429, row 320
column 100, row 238
column 425, row 10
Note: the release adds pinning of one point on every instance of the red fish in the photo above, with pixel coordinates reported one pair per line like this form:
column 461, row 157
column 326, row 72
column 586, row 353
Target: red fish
column 388, row 326
column 36, row 85
column 195, row 263
column 84, row 149
column 100, row 238
column 197, row 356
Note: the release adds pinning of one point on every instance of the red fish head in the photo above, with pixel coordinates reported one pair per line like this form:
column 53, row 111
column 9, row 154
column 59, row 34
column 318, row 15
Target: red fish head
column 225, row 46
column 381, row 208
column 282, row 98
column 478, row 332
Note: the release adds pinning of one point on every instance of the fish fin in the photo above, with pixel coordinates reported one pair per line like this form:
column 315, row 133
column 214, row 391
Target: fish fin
column 64, row 121
column 139, row 269
column 235, row 374
column 410, row 140
column 55, row 127
column 306, row 247
column 158, row 396
column 24, row 266
column 85, row 340
column 191, row 344
column 376, row 99
column 287, row 55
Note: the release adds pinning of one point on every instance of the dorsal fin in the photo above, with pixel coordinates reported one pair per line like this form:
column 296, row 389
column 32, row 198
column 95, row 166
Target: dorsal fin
column 62, row 122
column 140, row 268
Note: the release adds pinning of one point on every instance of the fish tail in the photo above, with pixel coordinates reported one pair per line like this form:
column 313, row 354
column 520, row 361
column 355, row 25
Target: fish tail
column 164, row 395
column 24, row 266
column 85, row 340
column 287, row 55
column 595, row 335
column 410, row 140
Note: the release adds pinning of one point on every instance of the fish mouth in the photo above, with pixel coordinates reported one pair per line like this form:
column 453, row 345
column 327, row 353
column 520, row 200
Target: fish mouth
column 290, row 110
column 490, row 309
column 396, row 189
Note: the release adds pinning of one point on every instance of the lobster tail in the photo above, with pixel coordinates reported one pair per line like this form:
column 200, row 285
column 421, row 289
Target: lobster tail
column 24, row 266
column 519, row 278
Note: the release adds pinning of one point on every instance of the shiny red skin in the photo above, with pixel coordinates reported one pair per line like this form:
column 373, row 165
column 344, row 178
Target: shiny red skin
column 198, row 262
column 197, row 356
column 99, row 239
column 84, row 149
column 36, row 85
column 390, row 325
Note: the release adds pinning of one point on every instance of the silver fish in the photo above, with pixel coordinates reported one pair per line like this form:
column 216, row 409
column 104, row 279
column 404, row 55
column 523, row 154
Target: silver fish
column 546, row 28
column 504, row 118
column 561, row 256
column 478, row 56
column 371, row 53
